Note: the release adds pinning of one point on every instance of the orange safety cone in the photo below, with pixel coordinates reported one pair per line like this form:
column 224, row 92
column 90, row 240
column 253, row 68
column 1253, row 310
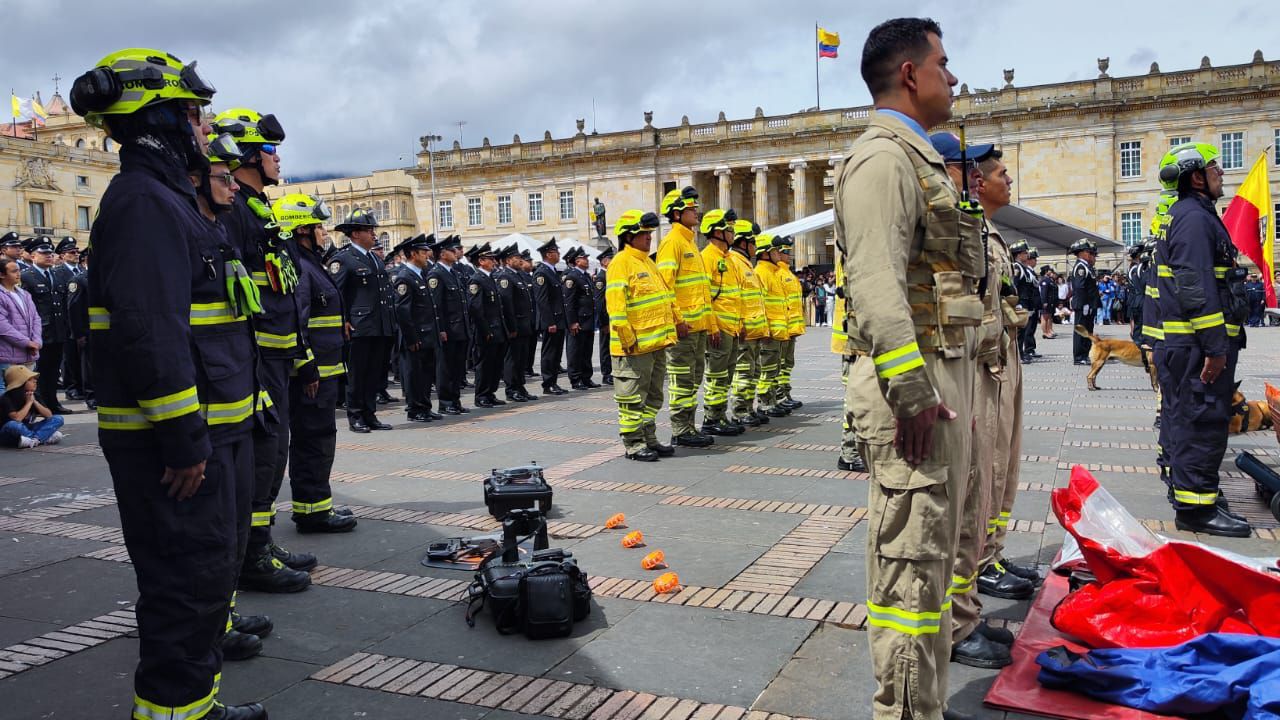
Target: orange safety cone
column 617, row 521
column 665, row 583
column 633, row 539
column 654, row 560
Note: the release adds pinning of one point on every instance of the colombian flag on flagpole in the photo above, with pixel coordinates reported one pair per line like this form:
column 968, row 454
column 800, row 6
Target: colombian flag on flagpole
column 827, row 43
column 1248, row 220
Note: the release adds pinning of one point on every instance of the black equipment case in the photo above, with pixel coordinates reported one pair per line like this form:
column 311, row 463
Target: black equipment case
column 516, row 488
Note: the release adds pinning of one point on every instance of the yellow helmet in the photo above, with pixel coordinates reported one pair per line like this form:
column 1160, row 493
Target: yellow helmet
column 297, row 209
column 129, row 80
column 744, row 230
column 249, row 126
column 634, row 221
column 718, row 220
column 223, row 149
column 764, row 243
column 678, row 200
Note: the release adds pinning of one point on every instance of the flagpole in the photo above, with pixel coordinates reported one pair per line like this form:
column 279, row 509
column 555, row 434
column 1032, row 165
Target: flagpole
column 817, row 81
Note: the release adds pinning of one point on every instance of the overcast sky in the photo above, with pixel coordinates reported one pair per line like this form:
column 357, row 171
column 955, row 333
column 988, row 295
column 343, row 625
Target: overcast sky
column 356, row 83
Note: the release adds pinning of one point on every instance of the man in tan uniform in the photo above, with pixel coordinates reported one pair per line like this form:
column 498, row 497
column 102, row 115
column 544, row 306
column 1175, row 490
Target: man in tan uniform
column 911, row 277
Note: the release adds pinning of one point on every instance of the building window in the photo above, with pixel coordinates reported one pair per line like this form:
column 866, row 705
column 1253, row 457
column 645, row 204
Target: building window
column 535, row 207
column 474, row 216
column 446, row 213
column 504, row 209
column 386, row 209
column 1131, row 228
column 35, row 213
column 1131, row 159
column 1275, row 148
column 1178, row 140
column 80, row 143
column 1232, row 148
column 82, row 182
column 107, row 145
column 566, row 204
column 82, row 218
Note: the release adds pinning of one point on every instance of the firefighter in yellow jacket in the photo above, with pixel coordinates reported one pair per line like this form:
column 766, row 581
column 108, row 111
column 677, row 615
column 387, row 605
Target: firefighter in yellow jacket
column 795, row 323
column 642, row 325
column 746, row 369
column 775, row 310
column 683, row 271
column 725, row 284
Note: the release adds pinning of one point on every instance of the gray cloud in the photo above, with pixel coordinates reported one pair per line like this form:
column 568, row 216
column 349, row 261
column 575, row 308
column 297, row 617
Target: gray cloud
column 356, row 83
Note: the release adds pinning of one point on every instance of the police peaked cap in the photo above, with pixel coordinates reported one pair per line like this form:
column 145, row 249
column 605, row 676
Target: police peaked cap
column 38, row 244
column 569, row 256
column 503, row 253
column 10, row 239
column 486, row 251
column 605, row 254
column 67, row 244
column 549, row 247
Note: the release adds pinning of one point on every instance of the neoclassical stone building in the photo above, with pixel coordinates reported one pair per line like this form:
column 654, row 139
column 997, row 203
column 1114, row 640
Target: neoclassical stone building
column 1082, row 152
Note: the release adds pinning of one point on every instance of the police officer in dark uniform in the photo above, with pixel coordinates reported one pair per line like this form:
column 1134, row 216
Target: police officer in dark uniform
column 174, row 374
column 78, row 316
column 1084, row 296
column 11, row 247
column 1028, row 291
column 450, row 303
column 416, row 317
column 1202, row 309
column 549, row 293
column 602, row 316
column 1139, row 260
column 517, row 306
column 48, row 288
column 280, row 332
column 526, row 273
column 491, row 325
column 580, row 314
column 365, row 287
column 70, row 271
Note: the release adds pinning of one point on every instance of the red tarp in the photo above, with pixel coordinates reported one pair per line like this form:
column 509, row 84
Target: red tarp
column 1152, row 592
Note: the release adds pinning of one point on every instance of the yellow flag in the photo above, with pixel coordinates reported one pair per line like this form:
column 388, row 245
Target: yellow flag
column 17, row 105
column 826, row 37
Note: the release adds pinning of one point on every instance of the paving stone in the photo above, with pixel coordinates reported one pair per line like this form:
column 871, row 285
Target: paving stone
column 716, row 525
column 698, row 562
column 839, row 576
column 97, row 681
column 58, row 593
column 26, row 551
column 311, row 700
column 826, row 679
column 446, row 638
column 737, row 655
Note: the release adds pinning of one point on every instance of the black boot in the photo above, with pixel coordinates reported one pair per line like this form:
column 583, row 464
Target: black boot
column 695, row 440
column 857, row 464
column 777, row 412
column 977, row 651
column 643, row 455
column 259, row 625
column 252, row 711
column 237, row 645
column 1211, row 521
column 750, row 420
column 1225, row 507
column 997, row 582
column 1000, row 636
column 324, row 522
column 292, row 560
column 265, row 573
column 1022, row 571
column 720, row 427
column 762, row 416
column 663, row 450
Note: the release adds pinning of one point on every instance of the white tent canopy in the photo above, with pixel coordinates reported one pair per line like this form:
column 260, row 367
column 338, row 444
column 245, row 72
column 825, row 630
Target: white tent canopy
column 1016, row 222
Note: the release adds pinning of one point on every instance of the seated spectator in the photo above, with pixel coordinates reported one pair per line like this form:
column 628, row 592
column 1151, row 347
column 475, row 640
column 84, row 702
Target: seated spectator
column 27, row 423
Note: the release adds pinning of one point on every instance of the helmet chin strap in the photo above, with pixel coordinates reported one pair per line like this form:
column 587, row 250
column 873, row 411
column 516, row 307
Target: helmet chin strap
column 256, row 164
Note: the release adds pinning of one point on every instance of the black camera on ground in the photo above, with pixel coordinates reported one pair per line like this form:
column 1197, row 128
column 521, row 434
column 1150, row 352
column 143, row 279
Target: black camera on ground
column 516, row 488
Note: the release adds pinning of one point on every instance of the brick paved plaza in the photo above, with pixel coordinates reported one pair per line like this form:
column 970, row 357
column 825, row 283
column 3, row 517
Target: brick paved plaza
column 767, row 536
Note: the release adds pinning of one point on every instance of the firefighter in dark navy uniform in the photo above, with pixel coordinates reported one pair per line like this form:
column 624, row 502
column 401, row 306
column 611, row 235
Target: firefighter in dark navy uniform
column 517, row 306
column 365, row 287
column 48, row 288
column 580, row 314
column 1084, row 296
column 602, row 315
column 416, row 318
column 490, row 325
column 1202, row 307
column 280, row 332
column 448, row 297
column 549, row 293
column 174, row 373
column 313, row 386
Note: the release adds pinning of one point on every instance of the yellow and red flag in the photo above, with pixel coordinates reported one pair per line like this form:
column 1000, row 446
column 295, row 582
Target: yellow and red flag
column 1248, row 220
column 828, row 42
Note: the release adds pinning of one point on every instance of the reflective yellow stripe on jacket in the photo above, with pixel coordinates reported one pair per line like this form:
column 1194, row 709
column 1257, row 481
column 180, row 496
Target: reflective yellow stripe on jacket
column 775, row 301
column 754, row 319
column 682, row 269
column 795, row 300
column 726, row 288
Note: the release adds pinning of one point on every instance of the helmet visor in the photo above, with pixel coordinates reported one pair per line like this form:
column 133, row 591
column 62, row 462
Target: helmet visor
column 271, row 129
column 195, row 84
column 224, row 149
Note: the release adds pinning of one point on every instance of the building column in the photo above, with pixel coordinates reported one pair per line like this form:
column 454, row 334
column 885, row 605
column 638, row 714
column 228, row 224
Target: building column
column 800, row 205
column 724, row 178
column 761, row 216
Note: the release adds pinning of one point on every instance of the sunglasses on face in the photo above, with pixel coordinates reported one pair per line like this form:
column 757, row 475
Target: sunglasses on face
column 226, row 178
column 268, row 148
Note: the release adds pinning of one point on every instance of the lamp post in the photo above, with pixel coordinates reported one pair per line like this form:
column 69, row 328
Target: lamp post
column 429, row 141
